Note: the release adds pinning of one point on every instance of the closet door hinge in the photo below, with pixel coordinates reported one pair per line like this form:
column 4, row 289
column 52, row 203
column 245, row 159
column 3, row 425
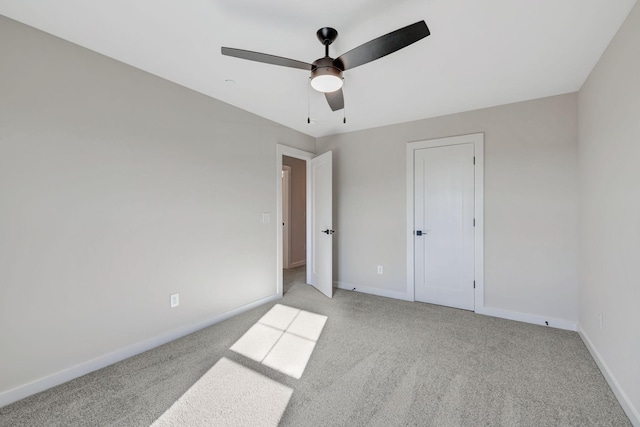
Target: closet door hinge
column 474, row 284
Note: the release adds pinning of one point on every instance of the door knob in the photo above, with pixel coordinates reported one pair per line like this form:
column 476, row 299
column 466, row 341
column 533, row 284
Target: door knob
column 329, row 232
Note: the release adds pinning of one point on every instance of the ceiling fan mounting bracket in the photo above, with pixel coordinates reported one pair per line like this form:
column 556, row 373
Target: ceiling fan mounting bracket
column 327, row 35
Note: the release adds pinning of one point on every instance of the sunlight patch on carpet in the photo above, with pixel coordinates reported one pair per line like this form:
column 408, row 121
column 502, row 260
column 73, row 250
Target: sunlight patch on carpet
column 283, row 339
column 290, row 355
column 229, row 395
column 257, row 342
column 279, row 317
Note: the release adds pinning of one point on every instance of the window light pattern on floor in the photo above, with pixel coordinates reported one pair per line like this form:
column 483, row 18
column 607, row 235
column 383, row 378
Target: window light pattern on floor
column 283, row 339
column 229, row 395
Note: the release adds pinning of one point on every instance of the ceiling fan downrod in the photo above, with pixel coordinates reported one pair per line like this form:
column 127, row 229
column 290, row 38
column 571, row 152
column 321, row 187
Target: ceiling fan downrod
column 327, row 35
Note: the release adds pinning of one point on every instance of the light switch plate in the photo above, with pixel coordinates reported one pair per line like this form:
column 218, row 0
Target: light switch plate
column 175, row 300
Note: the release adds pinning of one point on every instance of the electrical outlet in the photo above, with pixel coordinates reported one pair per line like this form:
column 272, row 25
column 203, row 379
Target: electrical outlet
column 175, row 300
column 601, row 320
column 380, row 270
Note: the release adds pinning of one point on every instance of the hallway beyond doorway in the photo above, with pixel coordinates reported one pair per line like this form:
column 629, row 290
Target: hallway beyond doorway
column 293, row 276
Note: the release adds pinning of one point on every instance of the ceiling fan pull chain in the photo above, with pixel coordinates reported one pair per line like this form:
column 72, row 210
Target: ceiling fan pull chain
column 344, row 109
column 309, row 101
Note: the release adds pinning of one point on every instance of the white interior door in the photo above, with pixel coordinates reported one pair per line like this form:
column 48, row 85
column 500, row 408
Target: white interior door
column 443, row 224
column 322, row 224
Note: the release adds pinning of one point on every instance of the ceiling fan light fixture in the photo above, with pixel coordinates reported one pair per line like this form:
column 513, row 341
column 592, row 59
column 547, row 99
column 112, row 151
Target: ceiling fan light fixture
column 326, row 79
column 326, row 72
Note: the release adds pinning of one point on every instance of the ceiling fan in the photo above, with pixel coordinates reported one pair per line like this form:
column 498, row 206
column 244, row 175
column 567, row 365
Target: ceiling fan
column 326, row 72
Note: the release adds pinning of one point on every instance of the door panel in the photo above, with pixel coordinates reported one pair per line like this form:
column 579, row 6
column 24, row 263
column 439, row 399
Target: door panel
column 444, row 209
column 322, row 246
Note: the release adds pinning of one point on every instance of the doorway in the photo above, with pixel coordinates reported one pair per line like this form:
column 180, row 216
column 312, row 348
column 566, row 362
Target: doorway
column 286, row 215
column 317, row 223
column 445, row 222
column 294, row 228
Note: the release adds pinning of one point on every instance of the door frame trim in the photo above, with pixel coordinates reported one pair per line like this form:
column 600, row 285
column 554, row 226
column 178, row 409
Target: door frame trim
column 478, row 146
column 284, row 150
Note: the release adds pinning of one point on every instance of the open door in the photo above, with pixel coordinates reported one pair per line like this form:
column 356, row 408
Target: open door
column 321, row 224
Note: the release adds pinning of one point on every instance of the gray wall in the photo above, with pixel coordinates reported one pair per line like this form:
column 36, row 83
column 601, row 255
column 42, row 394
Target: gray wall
column 117, row 189
column 609, row 117
column 298, row 220
column 531, row 205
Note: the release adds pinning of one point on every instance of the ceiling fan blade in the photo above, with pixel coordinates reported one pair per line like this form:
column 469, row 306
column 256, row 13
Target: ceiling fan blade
column 335, row 99
column 382, row 46
column 267, row 59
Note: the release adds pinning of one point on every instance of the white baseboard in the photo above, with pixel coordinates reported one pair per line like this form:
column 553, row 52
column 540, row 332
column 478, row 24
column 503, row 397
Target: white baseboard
column 487, row 311
column 20, row 392
column 528, row 318
column 373, row 291
column 298, row 263
column 632, row 412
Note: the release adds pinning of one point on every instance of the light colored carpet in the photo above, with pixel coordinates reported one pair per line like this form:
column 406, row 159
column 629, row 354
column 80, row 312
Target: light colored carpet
column 378, row 362
column 229, row 395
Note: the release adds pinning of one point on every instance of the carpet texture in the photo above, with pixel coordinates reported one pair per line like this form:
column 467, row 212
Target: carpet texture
column 229, row 395
column 378, row 362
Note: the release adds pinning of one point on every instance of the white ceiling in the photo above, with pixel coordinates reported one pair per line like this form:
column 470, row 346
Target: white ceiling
column 480, row 53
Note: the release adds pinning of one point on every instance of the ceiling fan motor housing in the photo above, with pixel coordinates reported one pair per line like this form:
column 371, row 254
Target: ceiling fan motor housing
column 325, row 66
column 323, row 69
